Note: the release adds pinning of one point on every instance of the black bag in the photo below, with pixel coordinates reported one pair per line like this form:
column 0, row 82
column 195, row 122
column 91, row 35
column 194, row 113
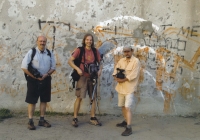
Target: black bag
column 33, row 71
column 75, row 76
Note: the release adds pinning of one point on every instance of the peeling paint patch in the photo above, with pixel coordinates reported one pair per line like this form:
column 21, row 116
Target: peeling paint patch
column 13, row 11
column 27, row 3
column 58, row 2
column 1, row 5
column 31, row 17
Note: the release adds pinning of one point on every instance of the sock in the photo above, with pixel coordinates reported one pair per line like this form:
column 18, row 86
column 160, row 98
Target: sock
column 128, row 126
column 31, row 120
column 41, row 118
column 92, row 118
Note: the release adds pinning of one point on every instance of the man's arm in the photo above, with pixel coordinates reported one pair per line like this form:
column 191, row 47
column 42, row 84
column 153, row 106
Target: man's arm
column 71, row 63
column 134, row 72
column 115, row 72
column 28, row 73
column 47, row 74
column 120, row 80
column 25, row 62
column 100, row 68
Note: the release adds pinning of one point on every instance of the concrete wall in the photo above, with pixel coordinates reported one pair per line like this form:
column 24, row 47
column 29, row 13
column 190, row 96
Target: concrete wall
column 169, row 82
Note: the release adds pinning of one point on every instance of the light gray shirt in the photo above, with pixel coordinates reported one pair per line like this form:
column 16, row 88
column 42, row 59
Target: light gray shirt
column 41, row 61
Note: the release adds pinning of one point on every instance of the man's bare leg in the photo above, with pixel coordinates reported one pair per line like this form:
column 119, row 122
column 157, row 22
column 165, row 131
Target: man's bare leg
column 93, row 109
column 77, row 104
column 128, row 115
column 42, row 108
column 31, row 109
column 124, row 113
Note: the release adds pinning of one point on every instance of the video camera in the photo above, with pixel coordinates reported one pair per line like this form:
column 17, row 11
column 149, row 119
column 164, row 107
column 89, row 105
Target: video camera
column 120, row 73
column 93, row 69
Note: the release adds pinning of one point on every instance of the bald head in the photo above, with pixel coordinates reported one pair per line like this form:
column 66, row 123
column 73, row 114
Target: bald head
column 41, row 36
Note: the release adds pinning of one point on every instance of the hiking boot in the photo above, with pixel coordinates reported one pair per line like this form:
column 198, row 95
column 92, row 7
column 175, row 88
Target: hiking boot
column 44, row 123
column 75, row 122
column 94, row 121
column 127, row 132
column 31, row 126
column 123, row 124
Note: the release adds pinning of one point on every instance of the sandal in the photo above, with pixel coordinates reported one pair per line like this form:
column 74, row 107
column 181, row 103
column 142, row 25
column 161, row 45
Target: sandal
column 75, row 122
column 94, row 121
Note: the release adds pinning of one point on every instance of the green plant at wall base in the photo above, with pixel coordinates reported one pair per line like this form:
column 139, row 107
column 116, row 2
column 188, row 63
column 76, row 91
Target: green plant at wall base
column 5, row 113
column 51, row 113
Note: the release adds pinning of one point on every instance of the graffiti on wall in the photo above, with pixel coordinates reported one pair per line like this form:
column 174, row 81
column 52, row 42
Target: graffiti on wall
column 163, row 55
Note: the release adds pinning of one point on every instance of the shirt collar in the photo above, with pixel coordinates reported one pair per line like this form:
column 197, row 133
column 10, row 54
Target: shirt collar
column 131, row 59
column 40, row 51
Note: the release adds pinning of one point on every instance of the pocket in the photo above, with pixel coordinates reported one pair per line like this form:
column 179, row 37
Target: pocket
column 129, row 67
column 80, row 83
column 35, row 62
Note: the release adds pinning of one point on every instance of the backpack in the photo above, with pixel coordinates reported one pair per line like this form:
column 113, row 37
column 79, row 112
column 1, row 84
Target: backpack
column 32, row 55
column 75, row 76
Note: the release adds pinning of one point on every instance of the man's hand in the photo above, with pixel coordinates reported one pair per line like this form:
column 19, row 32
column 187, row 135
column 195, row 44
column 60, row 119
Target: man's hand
column 99, row 73
column 44, row 76
column 79, row 71
column 40, row 79
column 120, row 80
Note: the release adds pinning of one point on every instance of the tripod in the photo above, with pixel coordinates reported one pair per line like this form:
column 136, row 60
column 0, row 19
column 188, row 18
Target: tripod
column 93, row 92
column 95, row 83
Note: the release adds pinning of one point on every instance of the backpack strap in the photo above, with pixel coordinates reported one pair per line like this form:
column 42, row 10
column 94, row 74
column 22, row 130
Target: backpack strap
column 82, row 52
column 33, row 54
column 77, row 62
column 49, row 53
column 95, row 54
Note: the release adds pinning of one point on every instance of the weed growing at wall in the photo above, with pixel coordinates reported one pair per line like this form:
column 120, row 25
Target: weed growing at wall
column 37, row 113
column 5, row 113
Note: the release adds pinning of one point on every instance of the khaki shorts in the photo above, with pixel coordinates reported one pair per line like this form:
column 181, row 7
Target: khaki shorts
column 83, row 86
column 125, row 100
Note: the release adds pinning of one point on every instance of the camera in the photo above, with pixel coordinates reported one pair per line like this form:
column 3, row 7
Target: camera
column 93, row 69
column 120, row 73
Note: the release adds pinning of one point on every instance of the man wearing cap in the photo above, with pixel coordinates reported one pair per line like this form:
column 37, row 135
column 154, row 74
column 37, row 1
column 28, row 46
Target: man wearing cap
column 126, row 86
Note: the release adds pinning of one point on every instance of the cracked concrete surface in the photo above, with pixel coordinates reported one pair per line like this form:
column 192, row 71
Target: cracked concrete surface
column 144, row 128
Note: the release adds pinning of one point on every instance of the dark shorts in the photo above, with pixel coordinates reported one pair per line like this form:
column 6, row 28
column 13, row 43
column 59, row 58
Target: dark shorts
column 83, row 86
column 36, row 89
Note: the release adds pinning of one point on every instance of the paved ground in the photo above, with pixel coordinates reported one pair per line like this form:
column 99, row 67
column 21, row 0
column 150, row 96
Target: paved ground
column 144, row 128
